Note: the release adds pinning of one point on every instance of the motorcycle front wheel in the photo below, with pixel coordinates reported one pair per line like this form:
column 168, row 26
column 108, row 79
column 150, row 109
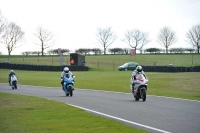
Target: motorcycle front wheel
column 143, row 94
column 15, row 86
column 136, row 97
column 70, row 89
column 67, row 94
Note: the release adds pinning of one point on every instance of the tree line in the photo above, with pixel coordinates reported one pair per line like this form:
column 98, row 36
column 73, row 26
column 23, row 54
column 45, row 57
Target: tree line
column 127, row 51
column 97, row 51
column 11, row 34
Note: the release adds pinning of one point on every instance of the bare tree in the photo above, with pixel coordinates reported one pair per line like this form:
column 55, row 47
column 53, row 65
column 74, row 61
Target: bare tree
column 144, row 41
column 128, row 38
column 2, row 22
column 136, row 38
column 166, row 37
column 45, row 38
column 105, row 37
column 2, row 25
column 13, row 34
column 193, row 36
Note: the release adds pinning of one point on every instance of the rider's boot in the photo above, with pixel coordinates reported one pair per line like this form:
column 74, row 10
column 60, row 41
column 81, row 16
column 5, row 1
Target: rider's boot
column 133, row 87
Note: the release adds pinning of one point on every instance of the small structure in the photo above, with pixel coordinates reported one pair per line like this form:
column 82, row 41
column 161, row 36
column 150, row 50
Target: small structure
column 79, row 59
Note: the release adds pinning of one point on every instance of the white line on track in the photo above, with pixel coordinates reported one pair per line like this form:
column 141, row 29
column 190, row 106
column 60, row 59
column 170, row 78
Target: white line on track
column 120, row 119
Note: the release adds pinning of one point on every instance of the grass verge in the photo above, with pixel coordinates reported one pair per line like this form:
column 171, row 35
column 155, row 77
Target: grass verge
column 29, row 114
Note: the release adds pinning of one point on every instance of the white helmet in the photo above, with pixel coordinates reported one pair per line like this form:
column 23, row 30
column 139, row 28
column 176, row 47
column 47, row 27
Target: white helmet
column 66, row 69
column 139, row 68
column 11, row 71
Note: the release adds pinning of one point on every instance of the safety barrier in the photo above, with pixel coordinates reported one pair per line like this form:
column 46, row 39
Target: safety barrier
column 170, row 69
column 42, row 67
column 85, row 68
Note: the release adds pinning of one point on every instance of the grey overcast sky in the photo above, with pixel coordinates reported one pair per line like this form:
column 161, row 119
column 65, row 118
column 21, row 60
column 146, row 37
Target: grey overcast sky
column 75, row 22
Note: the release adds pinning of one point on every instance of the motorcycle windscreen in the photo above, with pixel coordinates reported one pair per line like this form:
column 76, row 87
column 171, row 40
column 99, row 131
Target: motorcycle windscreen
column 68, row 80
column 13, row 78
column 140, row 77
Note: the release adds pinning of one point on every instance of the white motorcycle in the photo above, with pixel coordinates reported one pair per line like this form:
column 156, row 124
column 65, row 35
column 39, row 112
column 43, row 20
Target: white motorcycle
column 140, row 87
column 13, row 81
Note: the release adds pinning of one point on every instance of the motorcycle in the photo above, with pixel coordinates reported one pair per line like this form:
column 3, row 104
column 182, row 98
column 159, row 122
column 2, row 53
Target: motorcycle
column 68, row 85
column 13, row 81
column 140, row 87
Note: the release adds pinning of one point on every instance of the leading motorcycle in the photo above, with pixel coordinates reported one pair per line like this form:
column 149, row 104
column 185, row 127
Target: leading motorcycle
column 68, row 85
column 140, row 87
column 13, row 81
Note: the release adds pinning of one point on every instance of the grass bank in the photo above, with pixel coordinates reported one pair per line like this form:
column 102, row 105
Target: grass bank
column 28, row 114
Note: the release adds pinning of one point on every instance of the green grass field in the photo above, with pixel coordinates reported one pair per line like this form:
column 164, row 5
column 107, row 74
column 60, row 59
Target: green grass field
column 110, row 62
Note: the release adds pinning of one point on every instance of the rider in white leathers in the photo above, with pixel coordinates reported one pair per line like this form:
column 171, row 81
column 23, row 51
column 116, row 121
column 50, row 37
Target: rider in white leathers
column 65, row 70
column 9, row 76
column 135, row 72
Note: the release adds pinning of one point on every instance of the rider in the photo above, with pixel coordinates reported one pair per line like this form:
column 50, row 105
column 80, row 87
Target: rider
column 64, row 72
column 9, row 76
column 135, row 72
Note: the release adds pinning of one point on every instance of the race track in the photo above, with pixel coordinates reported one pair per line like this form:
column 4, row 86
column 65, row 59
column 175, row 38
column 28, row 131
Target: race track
column 157, row 114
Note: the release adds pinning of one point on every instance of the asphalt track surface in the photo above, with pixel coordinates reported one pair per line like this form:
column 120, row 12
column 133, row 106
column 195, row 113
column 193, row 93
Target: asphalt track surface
column 156, row 114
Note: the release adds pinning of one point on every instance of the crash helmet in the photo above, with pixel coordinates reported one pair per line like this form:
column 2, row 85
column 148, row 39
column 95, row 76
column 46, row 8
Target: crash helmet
column 139, row 68
column 11, row 71
column 66, row 69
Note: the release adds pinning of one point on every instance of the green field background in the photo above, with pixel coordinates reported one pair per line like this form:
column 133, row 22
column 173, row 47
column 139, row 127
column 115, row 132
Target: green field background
column 110, row 62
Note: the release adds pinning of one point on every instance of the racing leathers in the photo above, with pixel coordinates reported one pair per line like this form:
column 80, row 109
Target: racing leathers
column 133, row 77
